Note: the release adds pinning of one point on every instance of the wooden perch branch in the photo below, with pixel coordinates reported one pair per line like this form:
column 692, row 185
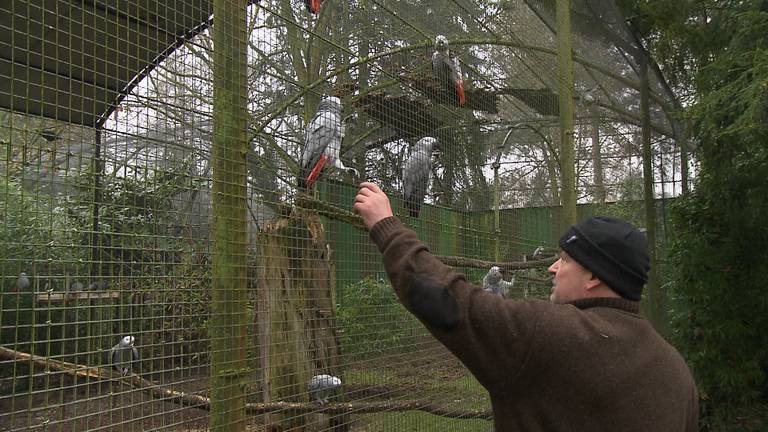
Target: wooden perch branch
column 368, row 407
column 455, row 261
column 196, row 401
column 337, row 213
column 99, row 373
column 329, row 210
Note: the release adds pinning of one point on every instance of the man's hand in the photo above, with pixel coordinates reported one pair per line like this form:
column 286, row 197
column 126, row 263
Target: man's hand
column 372, row 204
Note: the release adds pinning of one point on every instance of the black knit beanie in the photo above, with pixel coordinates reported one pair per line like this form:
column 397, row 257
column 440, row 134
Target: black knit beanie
column 614, row 250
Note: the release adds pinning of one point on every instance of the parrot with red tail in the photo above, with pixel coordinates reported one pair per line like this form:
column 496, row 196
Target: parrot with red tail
column 323, row 142
column 447, row 70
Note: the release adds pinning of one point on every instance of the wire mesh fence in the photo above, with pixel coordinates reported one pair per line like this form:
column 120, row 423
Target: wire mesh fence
column 176, row 203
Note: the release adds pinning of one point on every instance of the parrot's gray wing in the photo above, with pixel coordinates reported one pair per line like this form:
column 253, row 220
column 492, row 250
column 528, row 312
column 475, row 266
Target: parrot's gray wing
column 333, row 151
column 436, row 64
column 113, row 356
column 506, row 286
column 135, row 354
column 455, row 69
column 327, row 130
column 317, row 138
column 416, row 181
column 486, row 285
column 442, row 68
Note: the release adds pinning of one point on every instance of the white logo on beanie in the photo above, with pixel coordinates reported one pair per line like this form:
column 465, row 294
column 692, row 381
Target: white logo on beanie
column 571, row 239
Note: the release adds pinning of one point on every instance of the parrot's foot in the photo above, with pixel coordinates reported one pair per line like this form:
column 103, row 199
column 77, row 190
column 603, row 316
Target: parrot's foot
column 355, row 174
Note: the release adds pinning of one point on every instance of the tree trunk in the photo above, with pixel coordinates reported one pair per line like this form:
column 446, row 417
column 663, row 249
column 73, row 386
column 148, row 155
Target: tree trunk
column 295, row 314
column 597, row 160
column 653, row 289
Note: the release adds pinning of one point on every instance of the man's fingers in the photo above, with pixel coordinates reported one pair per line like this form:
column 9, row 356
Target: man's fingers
column 358, row 206
column 369, row 185
column 365, row 192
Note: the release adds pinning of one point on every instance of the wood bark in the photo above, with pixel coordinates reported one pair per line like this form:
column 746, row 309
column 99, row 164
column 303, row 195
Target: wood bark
column 295, row 311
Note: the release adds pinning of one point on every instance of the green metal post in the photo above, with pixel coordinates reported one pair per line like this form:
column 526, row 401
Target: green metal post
column 229, row 295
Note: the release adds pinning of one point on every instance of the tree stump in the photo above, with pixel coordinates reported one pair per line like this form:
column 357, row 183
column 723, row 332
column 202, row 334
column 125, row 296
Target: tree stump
column 295, row 313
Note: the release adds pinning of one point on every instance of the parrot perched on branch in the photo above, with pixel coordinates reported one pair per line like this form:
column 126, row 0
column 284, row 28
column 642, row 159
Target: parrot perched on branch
column 416, row 173
column 322, row 142
column 494, row 283
column 22, row 283
column 123, row 355
column 322, row 386
column 447, row 70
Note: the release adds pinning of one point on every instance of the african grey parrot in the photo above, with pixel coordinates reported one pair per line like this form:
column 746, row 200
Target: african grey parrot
column 446, row 68
column 538, row 252
column 322, row 142
column 97, row 285
column 123, row 355
column 313, row 6
column 22, row 283
column 321, row 387
column 416, row 175
column 494, row 283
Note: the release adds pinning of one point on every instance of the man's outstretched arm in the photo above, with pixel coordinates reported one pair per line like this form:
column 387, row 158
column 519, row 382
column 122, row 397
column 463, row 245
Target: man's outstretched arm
column 466, row 319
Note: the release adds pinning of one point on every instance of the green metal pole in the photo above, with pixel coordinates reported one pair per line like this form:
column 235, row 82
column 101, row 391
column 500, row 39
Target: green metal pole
column 229, row 308
column 565, row 93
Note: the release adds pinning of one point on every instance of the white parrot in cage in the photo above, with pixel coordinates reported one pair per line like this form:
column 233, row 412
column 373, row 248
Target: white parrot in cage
column 22, row 283
column 494, row 283
column 323, row 142
column 123, row 355
column 321, row 387
column 447, row 69
column 416, row 173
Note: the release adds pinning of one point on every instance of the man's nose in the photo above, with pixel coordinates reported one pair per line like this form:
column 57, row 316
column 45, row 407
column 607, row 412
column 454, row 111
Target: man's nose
column 554, row 267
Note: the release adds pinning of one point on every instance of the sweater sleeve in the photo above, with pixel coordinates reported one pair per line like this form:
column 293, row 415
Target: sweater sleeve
column 490, row 335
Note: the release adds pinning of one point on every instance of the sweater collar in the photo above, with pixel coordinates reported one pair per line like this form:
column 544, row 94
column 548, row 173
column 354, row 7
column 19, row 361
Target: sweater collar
column 610, row 302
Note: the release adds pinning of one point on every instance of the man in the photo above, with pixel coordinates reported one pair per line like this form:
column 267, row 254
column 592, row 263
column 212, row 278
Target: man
column 585, row 361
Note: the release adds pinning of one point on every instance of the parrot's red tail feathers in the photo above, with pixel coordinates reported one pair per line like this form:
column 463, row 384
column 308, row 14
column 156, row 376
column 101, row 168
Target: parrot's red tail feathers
column 460, row 92
column 314, row 6
column 315, row 173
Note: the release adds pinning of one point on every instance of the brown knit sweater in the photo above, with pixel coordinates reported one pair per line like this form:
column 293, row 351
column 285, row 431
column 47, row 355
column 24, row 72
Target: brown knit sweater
column 593, row 365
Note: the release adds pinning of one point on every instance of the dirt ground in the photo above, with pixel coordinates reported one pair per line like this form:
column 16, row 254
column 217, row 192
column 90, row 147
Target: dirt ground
column 104, row 406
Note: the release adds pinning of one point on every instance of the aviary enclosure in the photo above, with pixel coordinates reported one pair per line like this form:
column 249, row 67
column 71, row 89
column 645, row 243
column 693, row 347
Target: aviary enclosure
column 179, row 251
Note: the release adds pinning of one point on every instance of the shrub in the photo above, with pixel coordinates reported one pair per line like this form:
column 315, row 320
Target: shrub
column 373, row 321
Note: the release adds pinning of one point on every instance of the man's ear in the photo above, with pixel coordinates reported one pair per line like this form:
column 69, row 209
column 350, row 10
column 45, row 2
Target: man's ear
column 593, row 282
